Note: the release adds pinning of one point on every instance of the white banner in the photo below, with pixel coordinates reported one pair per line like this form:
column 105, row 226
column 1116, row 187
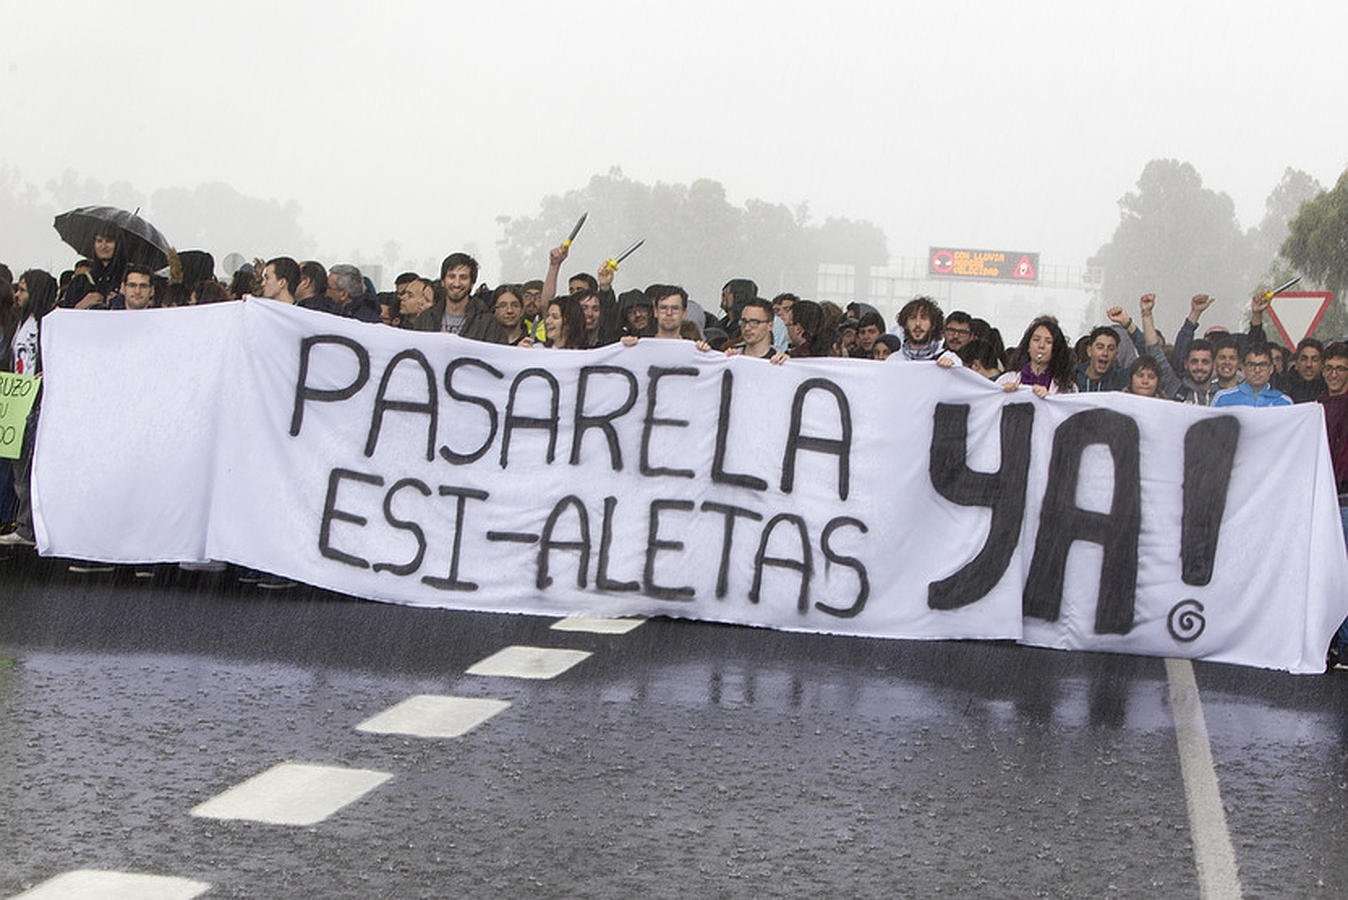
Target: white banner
column 896, row 500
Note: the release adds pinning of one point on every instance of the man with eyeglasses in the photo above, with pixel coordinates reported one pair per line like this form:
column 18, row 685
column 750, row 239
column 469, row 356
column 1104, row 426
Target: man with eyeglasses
column 958, row 331
column 534, row 308
column 756, row 328
column 671, row 302
column 1335, row 401
column 138, row 287
column 1257, row 364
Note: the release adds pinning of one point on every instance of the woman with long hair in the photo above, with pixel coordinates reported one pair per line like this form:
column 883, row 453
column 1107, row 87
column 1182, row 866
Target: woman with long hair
column 565, row 324
column 1046, row 360
column 107, row 270
column 507, row 303
column 35, row 297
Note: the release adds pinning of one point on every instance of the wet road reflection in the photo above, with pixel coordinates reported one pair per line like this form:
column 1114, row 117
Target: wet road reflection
column 680, row 758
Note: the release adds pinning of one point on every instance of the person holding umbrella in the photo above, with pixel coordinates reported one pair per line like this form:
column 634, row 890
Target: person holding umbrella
column 93, row 289
column 111, row 238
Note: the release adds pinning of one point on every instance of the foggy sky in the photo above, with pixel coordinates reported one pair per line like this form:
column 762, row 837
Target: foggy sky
column 1012, row 126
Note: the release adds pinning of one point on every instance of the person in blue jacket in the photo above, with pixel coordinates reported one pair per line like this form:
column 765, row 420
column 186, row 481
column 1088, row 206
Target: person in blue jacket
column 1257, row 364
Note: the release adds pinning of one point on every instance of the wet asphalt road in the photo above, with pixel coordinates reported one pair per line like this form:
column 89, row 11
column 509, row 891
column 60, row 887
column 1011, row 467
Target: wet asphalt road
column 680, row 760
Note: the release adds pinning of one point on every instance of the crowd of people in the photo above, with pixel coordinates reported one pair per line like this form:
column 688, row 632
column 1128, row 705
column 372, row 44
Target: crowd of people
column 1220, row 368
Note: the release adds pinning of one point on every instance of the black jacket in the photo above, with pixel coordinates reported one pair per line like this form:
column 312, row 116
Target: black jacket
column 478, row 324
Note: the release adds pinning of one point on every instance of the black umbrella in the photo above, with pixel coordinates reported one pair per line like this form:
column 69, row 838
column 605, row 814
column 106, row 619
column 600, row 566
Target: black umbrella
column 140, row 240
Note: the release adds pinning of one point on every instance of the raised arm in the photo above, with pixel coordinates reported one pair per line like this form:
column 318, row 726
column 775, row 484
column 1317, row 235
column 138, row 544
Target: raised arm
column 1188, row 328
column 556, row 256
column 1119, row 316
column 1258, row 303
column 1170, row 382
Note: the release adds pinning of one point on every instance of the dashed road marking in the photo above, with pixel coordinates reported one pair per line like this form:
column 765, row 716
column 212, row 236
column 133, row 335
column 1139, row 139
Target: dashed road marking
column 1213, row 853
column 528, row 662
column 596, row 626
column 292, row 794
column 99, row 884
column 431, row 716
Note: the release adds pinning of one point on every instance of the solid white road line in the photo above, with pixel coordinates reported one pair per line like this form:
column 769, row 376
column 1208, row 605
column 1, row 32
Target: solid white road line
column 596, row 626
column 1216, row 858
column 527, row 662
column 96, row 884
column 430, row 716
column 292, row 794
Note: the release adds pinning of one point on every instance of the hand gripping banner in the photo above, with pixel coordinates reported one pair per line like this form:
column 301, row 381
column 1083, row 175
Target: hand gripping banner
column 833, row 495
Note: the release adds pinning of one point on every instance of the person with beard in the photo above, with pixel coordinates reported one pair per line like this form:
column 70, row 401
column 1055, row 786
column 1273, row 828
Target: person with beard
column 958, row 331
column 1196, row 387
column 1334, row 399
column 923, row 324
column 458, row 311
column 636, row 314
column 1303, row 381
column 533, row 308
column 734, row 295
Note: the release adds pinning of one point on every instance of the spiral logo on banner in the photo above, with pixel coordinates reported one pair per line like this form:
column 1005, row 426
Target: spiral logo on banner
column 1185, row 622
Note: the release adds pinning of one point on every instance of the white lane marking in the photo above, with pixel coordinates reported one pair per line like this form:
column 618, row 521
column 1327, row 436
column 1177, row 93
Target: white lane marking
column 431, row 716
column 99, row 884
column 1216, row 858
column 292, row 794
column 596, row 626
column 528, row 662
